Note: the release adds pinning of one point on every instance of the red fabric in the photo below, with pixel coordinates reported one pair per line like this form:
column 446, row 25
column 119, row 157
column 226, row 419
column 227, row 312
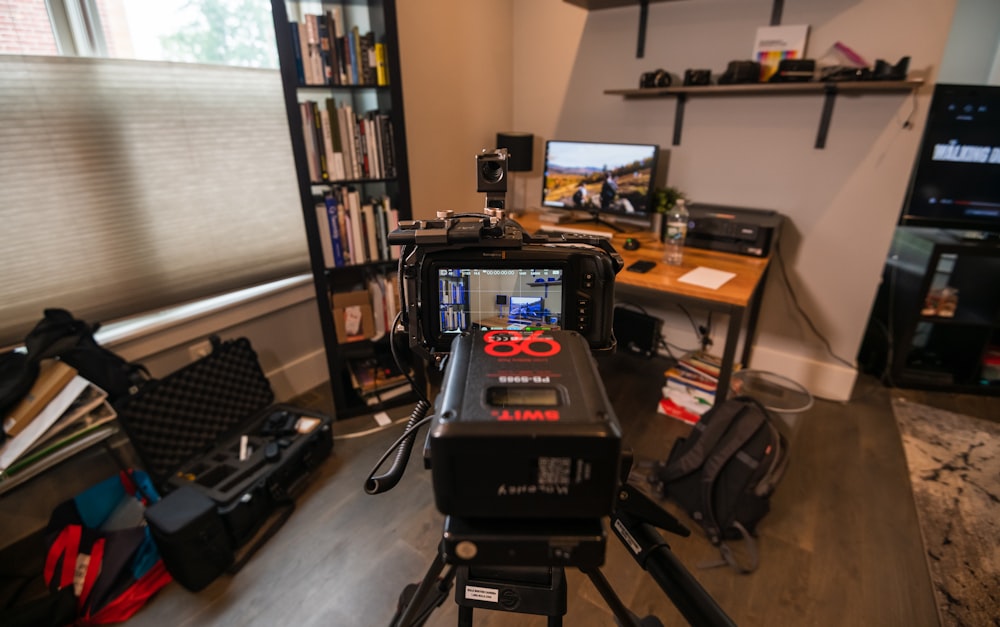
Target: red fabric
column 132, row 600
column 67, row 547
column 93, row 571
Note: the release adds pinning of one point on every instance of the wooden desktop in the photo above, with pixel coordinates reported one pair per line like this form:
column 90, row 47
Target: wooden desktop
column 739, row 297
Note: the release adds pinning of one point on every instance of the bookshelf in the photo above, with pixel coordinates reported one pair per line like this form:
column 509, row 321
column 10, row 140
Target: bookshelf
column 354, row 110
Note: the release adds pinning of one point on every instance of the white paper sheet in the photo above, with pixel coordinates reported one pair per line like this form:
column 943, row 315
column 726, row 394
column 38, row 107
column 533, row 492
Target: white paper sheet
column 707, row 277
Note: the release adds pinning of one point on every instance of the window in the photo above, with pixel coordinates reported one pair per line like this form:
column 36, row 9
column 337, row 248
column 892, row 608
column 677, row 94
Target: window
column 135, row 185
column 220, row 32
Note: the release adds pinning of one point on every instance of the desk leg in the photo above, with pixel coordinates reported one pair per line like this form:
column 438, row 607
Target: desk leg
column 729, row 354
column 755, row 298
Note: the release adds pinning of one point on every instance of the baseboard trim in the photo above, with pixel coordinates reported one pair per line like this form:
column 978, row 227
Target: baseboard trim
column 830, row 381
column 298, row 377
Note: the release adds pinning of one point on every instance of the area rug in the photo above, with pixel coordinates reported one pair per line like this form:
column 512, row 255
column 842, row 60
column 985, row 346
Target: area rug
column 954, row 463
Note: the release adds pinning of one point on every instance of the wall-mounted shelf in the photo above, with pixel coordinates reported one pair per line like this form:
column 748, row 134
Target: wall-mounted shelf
column 829, row 90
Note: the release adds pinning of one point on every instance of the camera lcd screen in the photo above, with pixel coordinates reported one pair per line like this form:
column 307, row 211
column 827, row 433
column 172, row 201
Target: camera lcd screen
column 522, row 397
column 499, row 298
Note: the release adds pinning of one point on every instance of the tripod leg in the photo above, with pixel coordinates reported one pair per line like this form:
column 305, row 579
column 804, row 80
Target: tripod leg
column 464, row 616
column 622, row 613
column 420, row 605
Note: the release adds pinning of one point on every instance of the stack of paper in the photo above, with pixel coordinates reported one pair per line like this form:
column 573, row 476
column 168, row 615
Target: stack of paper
column 61, row 413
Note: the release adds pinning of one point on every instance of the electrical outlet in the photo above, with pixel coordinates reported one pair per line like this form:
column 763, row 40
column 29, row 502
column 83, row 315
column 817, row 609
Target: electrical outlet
column 199, row 350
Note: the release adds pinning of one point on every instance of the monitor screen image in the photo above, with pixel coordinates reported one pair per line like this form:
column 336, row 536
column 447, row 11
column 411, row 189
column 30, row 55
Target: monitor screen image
column 956, row 181
column 599, row 177
column 526, row 310
column 499, row 298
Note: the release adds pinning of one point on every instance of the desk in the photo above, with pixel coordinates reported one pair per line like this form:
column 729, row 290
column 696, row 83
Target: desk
column 739, row 297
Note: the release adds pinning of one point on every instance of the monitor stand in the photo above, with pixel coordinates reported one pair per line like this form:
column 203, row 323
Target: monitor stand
column 595, row 219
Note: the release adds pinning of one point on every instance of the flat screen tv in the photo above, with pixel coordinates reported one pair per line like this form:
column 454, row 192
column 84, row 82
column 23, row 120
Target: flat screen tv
column 599, row 177
column 956, row 180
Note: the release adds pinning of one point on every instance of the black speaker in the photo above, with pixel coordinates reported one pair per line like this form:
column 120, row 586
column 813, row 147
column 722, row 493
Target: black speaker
column 520, row 147
column 636, row 332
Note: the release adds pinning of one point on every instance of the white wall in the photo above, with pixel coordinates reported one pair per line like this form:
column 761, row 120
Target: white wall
column 972, row 55
column 841, row 203
column 457, row 89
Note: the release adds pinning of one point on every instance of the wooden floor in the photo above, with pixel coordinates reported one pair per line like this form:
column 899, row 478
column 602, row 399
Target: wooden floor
column 841, row 545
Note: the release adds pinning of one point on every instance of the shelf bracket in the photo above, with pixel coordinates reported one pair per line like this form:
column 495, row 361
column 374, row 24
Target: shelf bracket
column 640, row 48
column 776, row 8
column 679, row 117
column 830, row 91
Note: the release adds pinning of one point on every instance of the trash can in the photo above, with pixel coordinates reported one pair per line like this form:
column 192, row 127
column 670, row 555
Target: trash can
column 779, row 394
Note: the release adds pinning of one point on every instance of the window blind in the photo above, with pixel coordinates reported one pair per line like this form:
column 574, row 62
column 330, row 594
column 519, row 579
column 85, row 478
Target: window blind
column 128, row 186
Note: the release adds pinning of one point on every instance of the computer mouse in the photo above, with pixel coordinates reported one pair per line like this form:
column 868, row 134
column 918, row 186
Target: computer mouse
column 631, row 243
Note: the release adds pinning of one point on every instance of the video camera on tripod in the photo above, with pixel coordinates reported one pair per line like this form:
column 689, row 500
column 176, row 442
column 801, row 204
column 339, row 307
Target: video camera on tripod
column 524, row 447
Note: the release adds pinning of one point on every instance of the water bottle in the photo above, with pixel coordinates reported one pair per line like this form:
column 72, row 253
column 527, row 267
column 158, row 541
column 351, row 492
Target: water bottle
column 677, row 226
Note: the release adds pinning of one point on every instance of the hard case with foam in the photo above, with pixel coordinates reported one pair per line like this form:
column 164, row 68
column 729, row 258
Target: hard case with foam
column 228, row 459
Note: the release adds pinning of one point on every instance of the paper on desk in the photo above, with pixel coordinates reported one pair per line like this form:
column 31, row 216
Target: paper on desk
column 707, row 277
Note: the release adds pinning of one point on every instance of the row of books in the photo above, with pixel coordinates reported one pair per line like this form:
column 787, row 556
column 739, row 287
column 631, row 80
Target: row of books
column 377, row 378
column 343, row 145
column 690, row 387
column 329, row 53
column 353, row 231
column 61, row 414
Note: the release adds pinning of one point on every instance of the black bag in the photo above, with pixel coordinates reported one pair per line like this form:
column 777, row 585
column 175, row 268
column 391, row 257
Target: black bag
column 724, row 472
column 59, row 335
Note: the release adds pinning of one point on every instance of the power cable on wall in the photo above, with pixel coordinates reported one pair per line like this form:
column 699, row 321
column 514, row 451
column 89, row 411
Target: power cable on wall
column 802, row 312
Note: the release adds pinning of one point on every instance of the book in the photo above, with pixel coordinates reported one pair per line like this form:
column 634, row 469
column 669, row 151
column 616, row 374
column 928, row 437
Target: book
column 335, row 29
column 15, row 446
column 53, row 375
column 774, row 43
column 373, row 373
column 85, row 423
column 331, row 156
column 26, row 468
column 371, row 231
column 668, row 407
column 90, row 399
column 325, row 238
column 701, row 364
column 358, row 254
column 381, row 65
column 380, row 396
column 376, row 291
column 336, row 139
column 333, row 223
column 310, row 141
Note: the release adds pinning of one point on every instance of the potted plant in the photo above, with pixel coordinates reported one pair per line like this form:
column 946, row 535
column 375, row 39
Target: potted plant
column 664, row 199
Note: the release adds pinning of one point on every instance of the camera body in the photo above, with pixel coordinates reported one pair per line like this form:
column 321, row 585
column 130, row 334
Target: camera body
column 656, row 78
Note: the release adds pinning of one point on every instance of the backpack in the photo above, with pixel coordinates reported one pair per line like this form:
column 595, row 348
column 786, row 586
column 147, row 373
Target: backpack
column 724, row 472
column 61, row 336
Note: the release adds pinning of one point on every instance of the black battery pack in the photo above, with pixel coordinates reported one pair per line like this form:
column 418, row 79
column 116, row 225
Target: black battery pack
column 523, row 429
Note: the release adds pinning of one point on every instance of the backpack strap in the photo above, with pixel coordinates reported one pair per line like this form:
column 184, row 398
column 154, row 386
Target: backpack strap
column 729, row 557
column 740, row 435
column 779, row 461
column 712, row 431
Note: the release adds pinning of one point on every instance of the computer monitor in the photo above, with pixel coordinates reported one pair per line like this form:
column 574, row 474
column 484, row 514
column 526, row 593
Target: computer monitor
column 600, row 178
